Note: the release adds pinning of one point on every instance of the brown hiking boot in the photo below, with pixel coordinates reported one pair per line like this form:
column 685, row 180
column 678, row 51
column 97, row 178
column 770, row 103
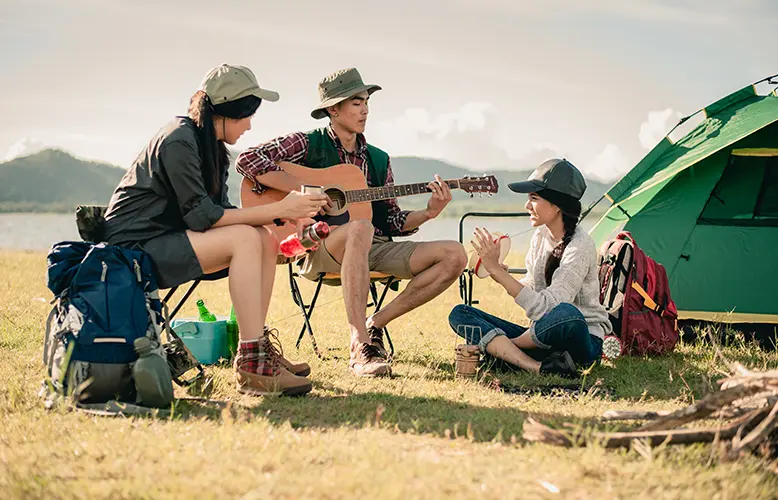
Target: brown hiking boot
column 376, row 336
column 301, row 369
column 366, row 361
column 259, row 372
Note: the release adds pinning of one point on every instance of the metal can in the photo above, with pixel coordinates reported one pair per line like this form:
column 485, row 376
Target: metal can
column 313, row 235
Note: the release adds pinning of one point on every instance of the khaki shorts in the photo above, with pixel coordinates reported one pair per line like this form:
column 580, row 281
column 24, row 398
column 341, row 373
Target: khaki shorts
column 388, row 257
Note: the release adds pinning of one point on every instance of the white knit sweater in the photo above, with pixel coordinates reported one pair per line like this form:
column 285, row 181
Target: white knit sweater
column 575, row 281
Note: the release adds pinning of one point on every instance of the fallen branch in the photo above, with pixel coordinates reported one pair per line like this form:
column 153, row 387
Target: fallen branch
column 703, row 408
column 759, row 434
column 726, row 413
column 536, row 432
column 611, row 415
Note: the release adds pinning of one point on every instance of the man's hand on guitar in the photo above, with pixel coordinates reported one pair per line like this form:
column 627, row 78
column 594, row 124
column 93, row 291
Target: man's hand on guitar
column 326, row 208
column 297, row 205
column 441, row 196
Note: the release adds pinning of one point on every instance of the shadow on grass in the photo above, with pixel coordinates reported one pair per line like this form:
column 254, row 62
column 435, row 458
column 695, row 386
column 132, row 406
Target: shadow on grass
column 627, row 377
column 689, row 372
column 686, row 374
column 414, row 415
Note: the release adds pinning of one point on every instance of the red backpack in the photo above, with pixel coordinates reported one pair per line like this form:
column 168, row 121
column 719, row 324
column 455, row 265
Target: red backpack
column 635, row 292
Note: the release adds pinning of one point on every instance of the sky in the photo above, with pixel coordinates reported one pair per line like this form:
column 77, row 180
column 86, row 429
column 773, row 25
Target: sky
column 485, row 84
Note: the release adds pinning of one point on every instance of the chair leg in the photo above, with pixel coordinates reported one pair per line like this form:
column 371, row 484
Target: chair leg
column 378, row 303
column 169, row 294
column 463, row 286
column 306, row 310
column 470, row 280
column 182, row 301
column 385, row 291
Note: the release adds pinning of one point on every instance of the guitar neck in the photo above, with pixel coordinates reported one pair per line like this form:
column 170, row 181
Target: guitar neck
column 395, row 191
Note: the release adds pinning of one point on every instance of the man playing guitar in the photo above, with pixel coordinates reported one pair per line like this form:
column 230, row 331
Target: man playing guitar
column 359, row 246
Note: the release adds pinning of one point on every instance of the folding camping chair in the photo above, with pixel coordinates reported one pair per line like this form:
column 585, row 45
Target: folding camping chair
column 466, row 279
column 333, row 279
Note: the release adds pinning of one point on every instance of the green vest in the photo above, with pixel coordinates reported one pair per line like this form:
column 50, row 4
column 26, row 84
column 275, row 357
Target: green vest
column 322, row 153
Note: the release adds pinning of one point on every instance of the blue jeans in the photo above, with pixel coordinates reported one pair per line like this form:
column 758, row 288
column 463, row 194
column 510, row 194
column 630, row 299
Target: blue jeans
column 561, row 329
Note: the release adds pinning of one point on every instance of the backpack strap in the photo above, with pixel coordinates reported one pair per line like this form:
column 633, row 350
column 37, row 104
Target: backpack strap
column 617, row 273
column 47, row 338
column 647, row 300
column 605, row 278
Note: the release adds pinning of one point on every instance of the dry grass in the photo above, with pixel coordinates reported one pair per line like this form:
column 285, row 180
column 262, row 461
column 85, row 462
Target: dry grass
column 423, row 433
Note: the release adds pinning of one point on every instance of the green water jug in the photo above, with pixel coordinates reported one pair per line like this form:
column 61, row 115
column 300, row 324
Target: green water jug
column 152, row 377
column 205, row 314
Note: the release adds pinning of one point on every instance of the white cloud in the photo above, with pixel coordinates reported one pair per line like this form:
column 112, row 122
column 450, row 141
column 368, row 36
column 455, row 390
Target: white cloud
column 473, row 136
column 656, row 126
column 24, row 147
column 465, row 137
column 609, row 165
column 530, row 158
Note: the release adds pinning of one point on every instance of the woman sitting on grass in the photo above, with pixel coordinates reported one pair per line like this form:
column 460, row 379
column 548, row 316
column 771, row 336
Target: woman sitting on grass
column 172, row 204
column 560, row 293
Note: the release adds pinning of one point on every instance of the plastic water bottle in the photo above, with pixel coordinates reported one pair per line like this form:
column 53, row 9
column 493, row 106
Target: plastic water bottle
column 152, row 377
column 205, row 314
column 232, row 333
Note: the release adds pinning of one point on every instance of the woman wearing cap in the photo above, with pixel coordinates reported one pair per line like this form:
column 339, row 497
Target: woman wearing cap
column 172, row 203
column 560, row 293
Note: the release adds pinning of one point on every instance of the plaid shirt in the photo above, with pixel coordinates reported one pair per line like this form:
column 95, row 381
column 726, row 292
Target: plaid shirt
column 293, row 148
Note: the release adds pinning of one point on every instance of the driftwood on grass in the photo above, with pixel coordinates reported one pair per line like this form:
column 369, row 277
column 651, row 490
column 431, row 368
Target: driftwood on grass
column 705, row 407
column 535, row 431
column 746, row 407
column 632, row 415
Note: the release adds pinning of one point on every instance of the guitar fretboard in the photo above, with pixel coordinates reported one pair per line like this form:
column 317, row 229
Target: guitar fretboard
column 387, row 192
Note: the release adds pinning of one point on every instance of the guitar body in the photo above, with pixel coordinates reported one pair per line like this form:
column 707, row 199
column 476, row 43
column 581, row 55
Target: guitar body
column 347, row 182
column 335, row 180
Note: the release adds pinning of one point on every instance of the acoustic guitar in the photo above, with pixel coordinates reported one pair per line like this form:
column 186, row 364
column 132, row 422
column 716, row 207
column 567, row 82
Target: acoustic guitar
column 347, row 187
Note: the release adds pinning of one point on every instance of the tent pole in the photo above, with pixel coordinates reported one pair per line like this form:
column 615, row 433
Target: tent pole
column 586, row 212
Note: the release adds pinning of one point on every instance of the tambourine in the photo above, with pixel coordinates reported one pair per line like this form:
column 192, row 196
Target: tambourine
column 475, row 261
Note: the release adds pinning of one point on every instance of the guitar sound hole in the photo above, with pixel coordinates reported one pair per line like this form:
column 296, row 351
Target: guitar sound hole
column 338, row 198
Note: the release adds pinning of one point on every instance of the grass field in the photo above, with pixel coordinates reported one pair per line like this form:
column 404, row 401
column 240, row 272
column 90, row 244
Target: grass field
column 422, row 433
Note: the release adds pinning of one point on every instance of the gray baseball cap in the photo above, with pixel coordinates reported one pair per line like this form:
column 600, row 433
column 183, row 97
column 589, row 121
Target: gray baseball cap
column 557, row 175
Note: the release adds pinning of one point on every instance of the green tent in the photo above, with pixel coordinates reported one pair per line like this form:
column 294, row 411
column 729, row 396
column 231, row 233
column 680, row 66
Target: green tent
column 706, row 207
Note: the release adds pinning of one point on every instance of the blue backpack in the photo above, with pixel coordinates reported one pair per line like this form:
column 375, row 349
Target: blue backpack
column 105, row 298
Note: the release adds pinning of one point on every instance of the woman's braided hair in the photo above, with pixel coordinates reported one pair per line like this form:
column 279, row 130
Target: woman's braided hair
column 571, row 212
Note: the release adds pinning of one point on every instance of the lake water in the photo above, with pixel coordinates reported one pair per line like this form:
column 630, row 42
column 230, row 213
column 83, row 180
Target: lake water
column 40, row 231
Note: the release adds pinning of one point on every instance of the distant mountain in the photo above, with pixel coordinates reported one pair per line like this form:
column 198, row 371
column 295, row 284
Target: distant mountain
column 55, row 181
